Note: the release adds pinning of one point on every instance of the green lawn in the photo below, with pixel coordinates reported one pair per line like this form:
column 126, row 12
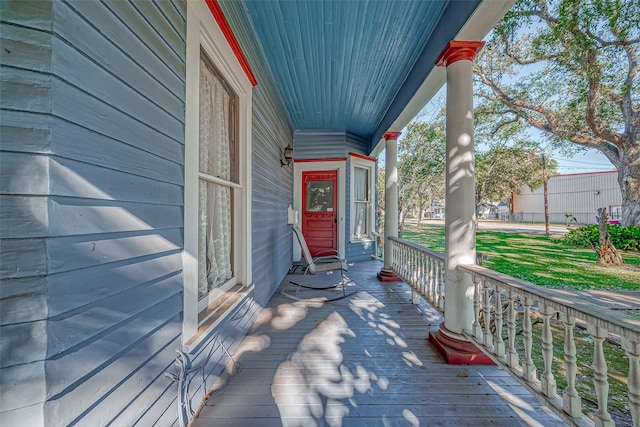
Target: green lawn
column 539, row 259
column 549, row 262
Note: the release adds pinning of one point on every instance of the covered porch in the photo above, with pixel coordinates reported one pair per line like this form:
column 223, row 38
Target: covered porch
column 360, row 361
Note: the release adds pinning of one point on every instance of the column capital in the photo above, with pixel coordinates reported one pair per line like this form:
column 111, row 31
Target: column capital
column 391, row 136
column 457, row 50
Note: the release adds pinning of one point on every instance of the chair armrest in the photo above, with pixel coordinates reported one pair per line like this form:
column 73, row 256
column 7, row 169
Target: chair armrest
column 327, row 258
column 329, row 251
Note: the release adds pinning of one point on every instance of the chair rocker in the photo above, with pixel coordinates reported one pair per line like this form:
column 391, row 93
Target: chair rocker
column 319, row 264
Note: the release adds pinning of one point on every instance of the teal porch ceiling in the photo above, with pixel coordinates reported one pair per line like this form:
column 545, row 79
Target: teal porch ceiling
column 352, row 65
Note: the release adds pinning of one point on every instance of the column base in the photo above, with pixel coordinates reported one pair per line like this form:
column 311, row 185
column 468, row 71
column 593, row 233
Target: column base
column 388, row 276
column 458, row 352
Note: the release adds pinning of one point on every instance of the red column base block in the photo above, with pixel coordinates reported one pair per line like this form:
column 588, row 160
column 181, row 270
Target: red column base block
column 457, row 352
column 388, row 276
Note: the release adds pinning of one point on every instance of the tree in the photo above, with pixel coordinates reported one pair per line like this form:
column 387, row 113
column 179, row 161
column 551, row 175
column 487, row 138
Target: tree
column 421, row 165
column 570, row 69
column 502, row 170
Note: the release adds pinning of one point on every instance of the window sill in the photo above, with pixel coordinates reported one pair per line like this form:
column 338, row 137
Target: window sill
column 216, row 312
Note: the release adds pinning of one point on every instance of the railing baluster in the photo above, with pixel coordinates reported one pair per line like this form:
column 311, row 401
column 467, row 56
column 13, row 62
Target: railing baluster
column 528, row 368
column 498, row 340
column 632, row 349
column 512, row 355
column 441, row 286
column 571, row 400
column 600, row 380
column 477, row 291
column 548, row 381
column 486, row 309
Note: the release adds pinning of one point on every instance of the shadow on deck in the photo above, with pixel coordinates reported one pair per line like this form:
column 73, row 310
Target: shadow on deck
column 361, row 361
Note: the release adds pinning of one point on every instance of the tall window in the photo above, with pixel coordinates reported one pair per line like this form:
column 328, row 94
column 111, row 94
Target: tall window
column 217, row 179
column 361, row 199
column 361, row 202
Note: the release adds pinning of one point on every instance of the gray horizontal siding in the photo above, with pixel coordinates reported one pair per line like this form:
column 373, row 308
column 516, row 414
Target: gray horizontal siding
column 92, row 164
column 25, row 98
column 272, row 184
column 318, row 145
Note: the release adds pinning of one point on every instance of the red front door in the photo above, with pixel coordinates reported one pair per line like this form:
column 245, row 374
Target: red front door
column 320, row 210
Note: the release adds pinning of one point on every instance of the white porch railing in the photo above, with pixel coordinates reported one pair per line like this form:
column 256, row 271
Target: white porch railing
column 423, row 270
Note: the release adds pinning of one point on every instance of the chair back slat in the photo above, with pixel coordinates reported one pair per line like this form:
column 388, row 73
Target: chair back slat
column 303, row 244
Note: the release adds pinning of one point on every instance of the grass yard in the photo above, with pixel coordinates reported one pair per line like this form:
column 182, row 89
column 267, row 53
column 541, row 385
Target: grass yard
column 539, row 259
column 549, row 262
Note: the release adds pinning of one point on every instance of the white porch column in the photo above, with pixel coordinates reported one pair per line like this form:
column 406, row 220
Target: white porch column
column 460, row 231
column 390, row 204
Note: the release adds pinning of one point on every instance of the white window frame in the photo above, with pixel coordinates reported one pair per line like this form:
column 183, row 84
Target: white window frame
column 357, row 162
column 204, row 33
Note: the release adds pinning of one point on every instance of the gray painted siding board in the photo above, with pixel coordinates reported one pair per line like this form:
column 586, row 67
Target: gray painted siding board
column 23, row 217
column 75, row 68
column 72, row 330
column 36, row 14
column 140, row 403
column 70, row 290
column 21, row 386
column 24, row 132
column 68, row 370
column 72, row 216
column 23, row 343
column 22, row 258
column 77, row 107
column 318, row 145
column 123, row 62
column 25, row 48
column 23, row 300
column 74, row 179
column 165, row 30
column 168, row 403
column 174, row 17
column 31, row 415
column 128, row 381
column 131, row 44
column 76, row 252
column 84, row 145
column 25, row 90
column 24, row 174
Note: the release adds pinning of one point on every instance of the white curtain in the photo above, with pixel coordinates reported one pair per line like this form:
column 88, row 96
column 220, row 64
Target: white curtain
column 360, row 197
column 214, row 200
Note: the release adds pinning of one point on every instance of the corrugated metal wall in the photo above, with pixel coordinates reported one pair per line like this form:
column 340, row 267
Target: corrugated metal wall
column 577, row 194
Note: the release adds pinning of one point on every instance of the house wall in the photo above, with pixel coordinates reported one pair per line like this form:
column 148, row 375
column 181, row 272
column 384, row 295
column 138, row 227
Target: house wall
column 327, row 145
column 578, row 194
column 272, row 183
column 92, row 212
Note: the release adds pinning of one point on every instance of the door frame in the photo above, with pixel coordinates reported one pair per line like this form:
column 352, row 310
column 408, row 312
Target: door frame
column 310, row 165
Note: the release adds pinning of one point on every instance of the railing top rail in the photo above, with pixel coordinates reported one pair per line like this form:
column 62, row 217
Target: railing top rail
column 418, row 248
column 563, row 302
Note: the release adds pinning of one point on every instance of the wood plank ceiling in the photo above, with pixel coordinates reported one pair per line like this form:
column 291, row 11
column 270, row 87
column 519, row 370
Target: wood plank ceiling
column 340, row 65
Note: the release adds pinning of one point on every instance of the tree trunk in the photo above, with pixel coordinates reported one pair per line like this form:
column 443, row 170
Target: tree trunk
column 629, row 181
column 607, row 253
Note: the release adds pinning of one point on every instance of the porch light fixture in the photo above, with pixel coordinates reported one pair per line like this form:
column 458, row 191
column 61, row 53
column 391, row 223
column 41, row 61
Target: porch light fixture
column 287, row 155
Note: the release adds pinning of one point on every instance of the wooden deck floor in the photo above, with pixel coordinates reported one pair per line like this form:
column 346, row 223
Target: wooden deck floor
column 360, row 361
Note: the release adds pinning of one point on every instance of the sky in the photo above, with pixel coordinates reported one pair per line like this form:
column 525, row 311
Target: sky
column 583, row 162
column 591, row 161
